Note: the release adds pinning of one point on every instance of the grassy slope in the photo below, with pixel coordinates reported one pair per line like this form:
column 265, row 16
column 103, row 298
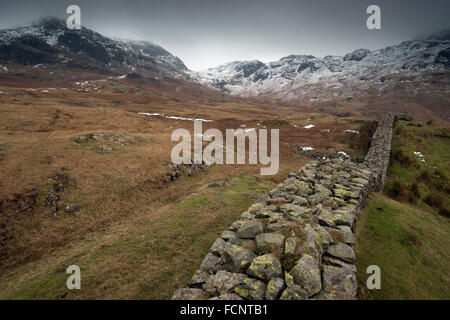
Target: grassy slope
column 405, row 236
column 157, row 256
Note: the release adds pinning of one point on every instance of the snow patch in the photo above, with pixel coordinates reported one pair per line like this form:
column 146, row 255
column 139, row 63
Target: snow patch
column 173, row 117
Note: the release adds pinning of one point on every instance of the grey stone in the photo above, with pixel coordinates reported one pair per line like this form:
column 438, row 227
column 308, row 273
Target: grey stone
column 338, row 263
column 218, row 247
column 294, row 292
column 299, row 201
column 210, row 263
column 122, row 139
column 325, row 216
column 228, row 234
column 342, row 251
column 290, row 245
column 266, row 242
column 238, row 258
column 341, row 281
column 97, row 136
column 249, row 229
column 277, row 201
column 319, row 188
column 227, row 297
column 344, row 216
column 251, row 289
column 104, row 149
column 347, row 234
column 317, row 198
column 306, row 274
column 296, row 213
column 274, row 288
column 71, row 208
column 248, row 216
column 223, row 282
column 265, row 267
column 81, row 139
column 236, row 225
column 198, row 278
column 216, row 184
column 331, row 202
column 261, row 210
column 188, row 294
column 345, row 194
column 272, row 227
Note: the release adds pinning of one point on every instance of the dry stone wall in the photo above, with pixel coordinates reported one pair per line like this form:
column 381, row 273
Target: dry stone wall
column 377, row 158
column 297, row 241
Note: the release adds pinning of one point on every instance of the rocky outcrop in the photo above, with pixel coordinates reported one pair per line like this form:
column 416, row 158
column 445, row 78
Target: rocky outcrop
column 297, row 241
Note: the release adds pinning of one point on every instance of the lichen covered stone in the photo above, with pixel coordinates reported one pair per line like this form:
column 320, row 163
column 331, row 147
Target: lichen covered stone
column 266, row 242
column 306, row 274
column 265, row 267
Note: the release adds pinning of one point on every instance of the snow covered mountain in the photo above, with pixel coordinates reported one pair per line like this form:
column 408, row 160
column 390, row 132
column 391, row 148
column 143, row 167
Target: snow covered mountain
column 414, row 64
column 300, row 76
column 49, row 41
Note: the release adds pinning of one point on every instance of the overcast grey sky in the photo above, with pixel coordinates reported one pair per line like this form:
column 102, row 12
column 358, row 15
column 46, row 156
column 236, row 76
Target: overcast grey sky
column 206, row 33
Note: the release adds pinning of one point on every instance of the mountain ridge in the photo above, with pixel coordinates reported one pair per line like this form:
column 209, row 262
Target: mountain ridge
column 49, row 41
column 287, row 76
column 413, row 63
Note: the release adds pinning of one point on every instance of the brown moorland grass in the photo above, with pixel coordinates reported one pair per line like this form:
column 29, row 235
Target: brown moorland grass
column 136, row 235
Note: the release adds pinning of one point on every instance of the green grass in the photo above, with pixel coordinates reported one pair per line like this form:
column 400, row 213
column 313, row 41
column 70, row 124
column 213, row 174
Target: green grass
column 404, row 235
column 434, row 143
column 410, row 246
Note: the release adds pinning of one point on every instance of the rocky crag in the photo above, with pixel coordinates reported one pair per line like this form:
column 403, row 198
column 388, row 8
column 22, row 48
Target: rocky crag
column 297, row 241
